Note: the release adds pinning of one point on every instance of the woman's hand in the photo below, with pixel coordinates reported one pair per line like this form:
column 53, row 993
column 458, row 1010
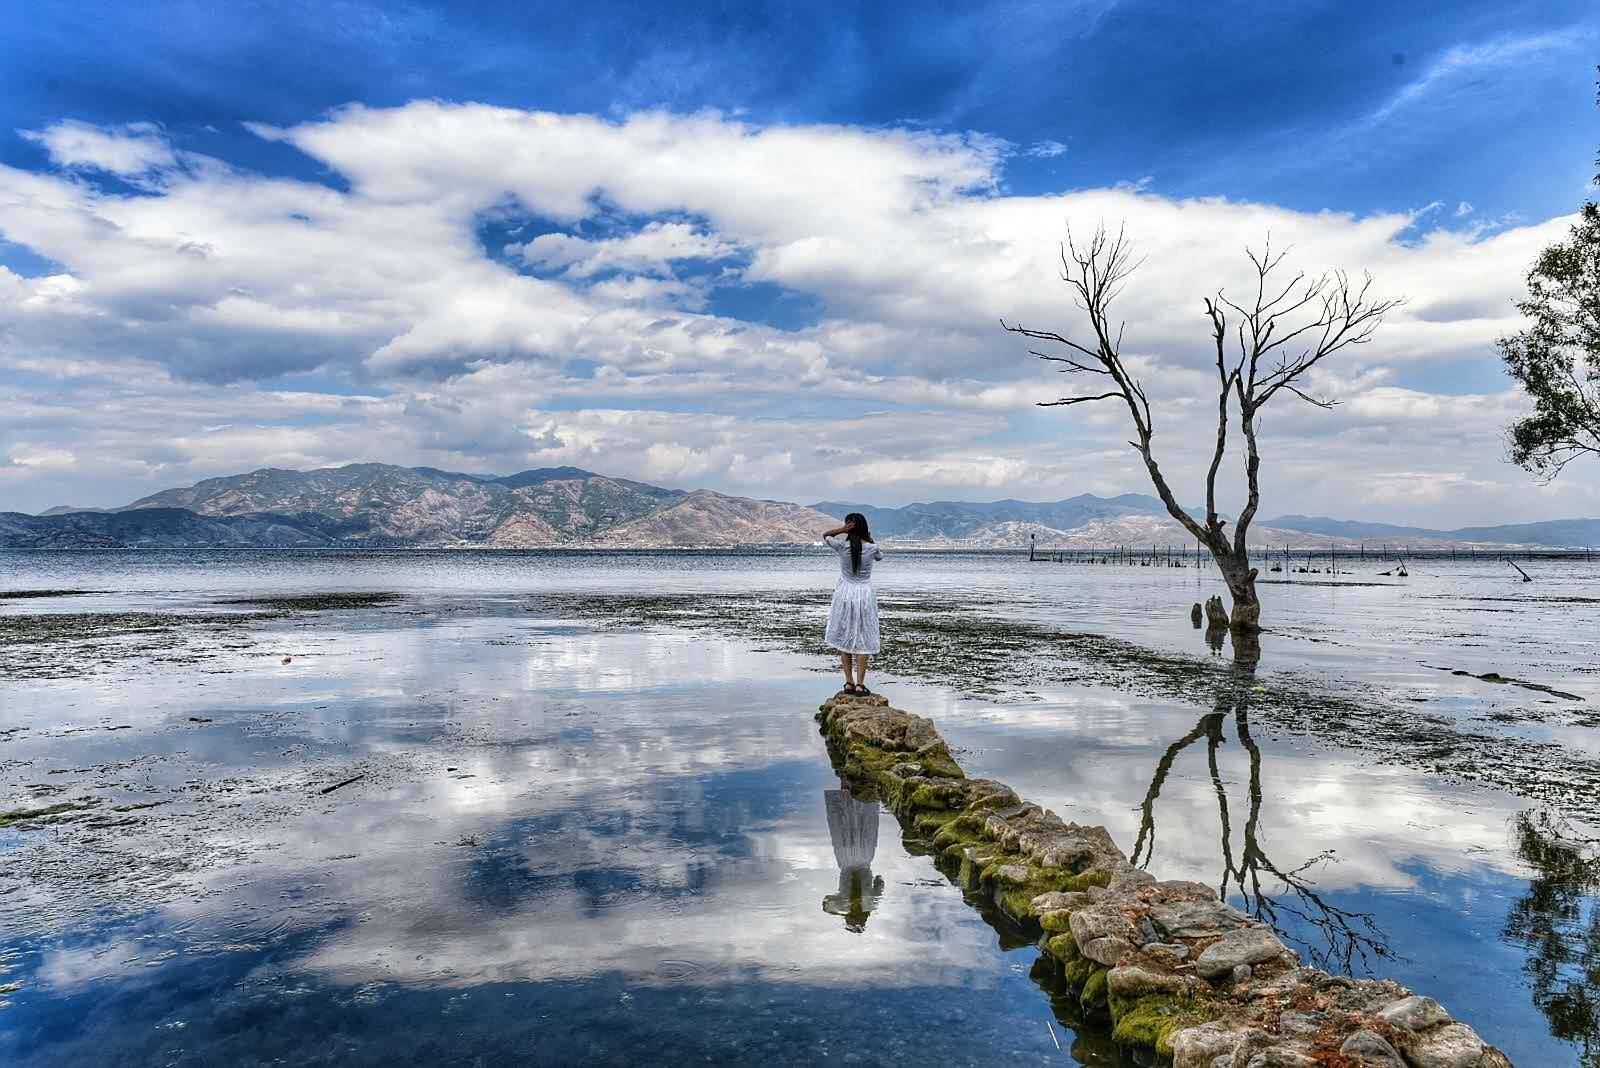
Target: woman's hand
column 839, row 530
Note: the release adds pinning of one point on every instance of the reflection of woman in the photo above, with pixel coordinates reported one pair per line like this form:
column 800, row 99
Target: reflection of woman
column 853, row 616
column 853, row 826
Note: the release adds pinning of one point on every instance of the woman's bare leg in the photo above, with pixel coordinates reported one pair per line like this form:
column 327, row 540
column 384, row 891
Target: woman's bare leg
column 861, row 669
column 844, row 662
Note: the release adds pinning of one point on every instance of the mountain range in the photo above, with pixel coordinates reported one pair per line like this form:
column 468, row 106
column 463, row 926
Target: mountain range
column 382, row 505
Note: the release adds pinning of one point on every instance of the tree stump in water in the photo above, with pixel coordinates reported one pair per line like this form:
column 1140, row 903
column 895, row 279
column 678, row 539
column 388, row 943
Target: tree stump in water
column 1216, row 613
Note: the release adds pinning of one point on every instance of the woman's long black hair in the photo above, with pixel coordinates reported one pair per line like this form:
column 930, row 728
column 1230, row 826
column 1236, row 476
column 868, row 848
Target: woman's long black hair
column 858, row 534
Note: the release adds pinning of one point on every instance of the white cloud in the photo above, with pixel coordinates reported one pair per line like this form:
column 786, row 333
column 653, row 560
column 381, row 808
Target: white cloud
column 649, row 251
column 126, row 150
column 608, row 358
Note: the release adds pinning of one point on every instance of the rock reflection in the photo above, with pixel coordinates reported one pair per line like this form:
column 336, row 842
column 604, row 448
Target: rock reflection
column 1332, row 937
column 1558, row 922
column 853, row 827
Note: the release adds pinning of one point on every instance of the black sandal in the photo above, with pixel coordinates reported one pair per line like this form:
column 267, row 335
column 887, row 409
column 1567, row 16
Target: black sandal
column 850, row 689
column 862, row 691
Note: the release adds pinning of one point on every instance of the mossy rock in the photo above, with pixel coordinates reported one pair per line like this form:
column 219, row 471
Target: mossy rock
column 1018, row 904
column 1040, row 879
column 969, row 869
column 929, row 824
column 1150, row 1022
column 937, row 761
column 1063, row 947
column 993, row 801
column 1093, row 995
column 1008, row 871
column 874, row 760
column 938, row 795
column 1056, row 921
column 1077, row 972
column 965, row 829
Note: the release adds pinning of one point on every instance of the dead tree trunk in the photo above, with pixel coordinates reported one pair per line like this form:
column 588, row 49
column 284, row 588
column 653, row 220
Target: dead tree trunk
column 1240, row 578
column 1262, row 347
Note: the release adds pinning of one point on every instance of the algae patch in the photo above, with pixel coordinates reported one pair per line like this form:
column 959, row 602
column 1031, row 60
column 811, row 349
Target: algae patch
column 29, row 815
column 53, row 645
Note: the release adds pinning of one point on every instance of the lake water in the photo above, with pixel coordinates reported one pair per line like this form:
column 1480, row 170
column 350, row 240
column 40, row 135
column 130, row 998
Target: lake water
column 578, row 843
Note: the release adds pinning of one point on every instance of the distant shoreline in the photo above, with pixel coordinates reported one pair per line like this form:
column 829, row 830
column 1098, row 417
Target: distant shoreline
column 1132, row 554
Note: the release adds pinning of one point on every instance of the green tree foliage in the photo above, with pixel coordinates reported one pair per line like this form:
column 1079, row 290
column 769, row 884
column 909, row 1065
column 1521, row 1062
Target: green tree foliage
column 1557, row 357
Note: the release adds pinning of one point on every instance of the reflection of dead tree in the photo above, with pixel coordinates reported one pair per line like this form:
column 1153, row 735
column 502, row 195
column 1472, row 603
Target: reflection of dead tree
column 1345, row 935
column 1292, row 907
column 1144, row 846
column 1558, row 921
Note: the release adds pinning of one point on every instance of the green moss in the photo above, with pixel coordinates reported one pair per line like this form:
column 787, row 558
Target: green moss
column 22, row 815
column 970, row 868
column 1018, row 904
column 1093, row 995
column 1086, row 880
column 1015, row 890
column 965, row 829
column 1056, row 921
column 1077, row 971
column 937, row 761
column 1063, row 947
column 993, row 874
column 929, row 823
column 1150, row 1021
column 1001, row 799
column 939, row 795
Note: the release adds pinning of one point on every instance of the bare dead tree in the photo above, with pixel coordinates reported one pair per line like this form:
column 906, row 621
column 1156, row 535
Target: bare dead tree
column 1264, row 347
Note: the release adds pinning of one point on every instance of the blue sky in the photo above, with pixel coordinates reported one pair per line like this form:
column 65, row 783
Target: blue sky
column 1440, row 143
column 1248, row 100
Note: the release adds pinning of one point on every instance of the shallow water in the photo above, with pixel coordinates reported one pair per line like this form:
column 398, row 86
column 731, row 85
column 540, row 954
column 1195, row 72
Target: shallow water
column 570, row 843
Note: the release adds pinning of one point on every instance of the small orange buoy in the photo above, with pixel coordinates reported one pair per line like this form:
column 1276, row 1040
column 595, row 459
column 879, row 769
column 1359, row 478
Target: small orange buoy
column 287, row 659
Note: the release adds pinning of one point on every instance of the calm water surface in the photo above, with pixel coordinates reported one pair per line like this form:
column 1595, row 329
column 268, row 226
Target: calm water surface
column 579, row 844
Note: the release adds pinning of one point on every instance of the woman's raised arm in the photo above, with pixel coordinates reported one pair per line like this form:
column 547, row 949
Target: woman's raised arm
column 845, row 529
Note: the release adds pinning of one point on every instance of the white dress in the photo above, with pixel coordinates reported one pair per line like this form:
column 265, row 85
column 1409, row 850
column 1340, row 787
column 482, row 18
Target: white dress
column 853, row 618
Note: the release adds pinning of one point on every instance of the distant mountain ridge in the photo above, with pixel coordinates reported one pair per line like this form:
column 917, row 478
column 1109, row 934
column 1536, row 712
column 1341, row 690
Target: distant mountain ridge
column 383, row 505
column 936, row 521
column 1564, row 533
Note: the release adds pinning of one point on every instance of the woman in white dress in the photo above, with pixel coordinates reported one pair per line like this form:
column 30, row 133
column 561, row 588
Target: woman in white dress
column 853, row 617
